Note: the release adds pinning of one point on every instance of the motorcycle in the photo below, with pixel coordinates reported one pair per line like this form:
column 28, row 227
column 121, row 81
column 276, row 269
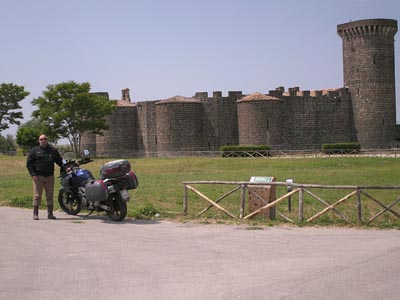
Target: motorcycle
column 80, row 190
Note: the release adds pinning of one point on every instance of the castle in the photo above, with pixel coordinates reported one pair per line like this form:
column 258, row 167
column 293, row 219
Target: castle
column 363, row 111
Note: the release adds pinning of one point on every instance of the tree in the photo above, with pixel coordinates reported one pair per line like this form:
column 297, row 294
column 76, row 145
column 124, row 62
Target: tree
column 28, row 134
column 7, row 144
column 10, row 96
column 69, row 110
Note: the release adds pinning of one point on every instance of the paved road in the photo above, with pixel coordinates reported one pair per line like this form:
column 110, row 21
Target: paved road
column 73, row 258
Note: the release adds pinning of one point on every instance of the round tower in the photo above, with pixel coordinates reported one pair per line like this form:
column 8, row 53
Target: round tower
column 179, row 125
column 260, row 120
column 120, row 138
column 368, row 67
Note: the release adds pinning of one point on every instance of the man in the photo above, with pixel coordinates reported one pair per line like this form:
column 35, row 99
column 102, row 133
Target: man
column 40, row 164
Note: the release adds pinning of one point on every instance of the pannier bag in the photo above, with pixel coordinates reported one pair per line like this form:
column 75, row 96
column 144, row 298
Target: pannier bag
column 133, row 181
column 115, row 168
column 96, row 190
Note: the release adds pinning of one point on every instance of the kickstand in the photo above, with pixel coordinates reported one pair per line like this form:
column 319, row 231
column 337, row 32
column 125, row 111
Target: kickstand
column 88, row 214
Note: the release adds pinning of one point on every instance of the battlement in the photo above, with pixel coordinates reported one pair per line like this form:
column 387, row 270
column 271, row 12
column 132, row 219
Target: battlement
column 377, row 27
column 279, row 92
column 218, row 94
column 295, row 91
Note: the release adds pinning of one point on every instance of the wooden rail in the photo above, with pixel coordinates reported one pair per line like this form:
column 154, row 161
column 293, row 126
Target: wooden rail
column 293, row 188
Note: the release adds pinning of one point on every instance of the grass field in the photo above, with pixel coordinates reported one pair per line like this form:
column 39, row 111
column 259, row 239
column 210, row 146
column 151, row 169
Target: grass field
column 161, row 191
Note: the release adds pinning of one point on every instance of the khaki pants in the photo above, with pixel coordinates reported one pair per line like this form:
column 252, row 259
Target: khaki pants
column 46, row 183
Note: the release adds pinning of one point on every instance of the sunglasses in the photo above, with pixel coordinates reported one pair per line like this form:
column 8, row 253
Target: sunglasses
column 45, row 139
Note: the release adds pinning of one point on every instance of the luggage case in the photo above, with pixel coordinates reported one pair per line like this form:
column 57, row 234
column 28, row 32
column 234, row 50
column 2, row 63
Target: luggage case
column 133, row 181
column 96, row 190
column 115, row 168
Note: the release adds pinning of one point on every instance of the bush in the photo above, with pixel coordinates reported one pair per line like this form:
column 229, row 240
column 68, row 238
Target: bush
column 147, row 211
column 245, row 151
column 340, row 148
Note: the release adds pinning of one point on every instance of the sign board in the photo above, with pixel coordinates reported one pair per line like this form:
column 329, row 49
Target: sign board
column 289, row 183
column 255, row 179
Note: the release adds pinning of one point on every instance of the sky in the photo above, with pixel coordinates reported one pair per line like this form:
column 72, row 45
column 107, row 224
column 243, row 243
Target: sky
column 164, row 48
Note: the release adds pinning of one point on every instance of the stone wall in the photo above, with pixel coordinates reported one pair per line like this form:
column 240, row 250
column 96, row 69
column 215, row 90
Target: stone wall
column 220, row 125
column 363, row 111
column 146, row 128
column 310, row 120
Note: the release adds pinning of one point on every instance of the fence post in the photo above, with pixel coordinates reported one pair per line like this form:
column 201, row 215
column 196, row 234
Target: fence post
column 359, row 212
column 242, row 200
column 301, row 201
column 185, row 204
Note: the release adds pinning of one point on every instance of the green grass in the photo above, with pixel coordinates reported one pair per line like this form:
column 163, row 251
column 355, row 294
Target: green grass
column 160, row 188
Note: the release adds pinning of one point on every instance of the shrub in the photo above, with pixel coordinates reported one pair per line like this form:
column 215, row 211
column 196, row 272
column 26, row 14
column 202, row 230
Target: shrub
column 339, row 148
column 147, row 211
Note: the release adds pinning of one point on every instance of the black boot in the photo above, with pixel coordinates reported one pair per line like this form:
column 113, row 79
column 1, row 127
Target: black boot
column 50, row 212
column 36, row 212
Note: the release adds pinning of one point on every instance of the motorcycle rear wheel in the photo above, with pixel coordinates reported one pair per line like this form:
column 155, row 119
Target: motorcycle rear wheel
column 118, row 208
column 69, row 203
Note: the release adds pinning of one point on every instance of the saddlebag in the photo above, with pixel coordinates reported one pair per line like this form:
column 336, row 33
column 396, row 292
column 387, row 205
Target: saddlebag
column 96, row 190
column 133, row 181
column 115, row 168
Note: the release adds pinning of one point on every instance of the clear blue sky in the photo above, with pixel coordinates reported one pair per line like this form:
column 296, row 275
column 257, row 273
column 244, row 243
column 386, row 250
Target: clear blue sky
column 163, row 48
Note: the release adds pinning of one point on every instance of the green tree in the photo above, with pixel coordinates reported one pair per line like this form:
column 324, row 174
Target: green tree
column 28, row 134
column 69, row 110
column 10, row 96
column 7, row 144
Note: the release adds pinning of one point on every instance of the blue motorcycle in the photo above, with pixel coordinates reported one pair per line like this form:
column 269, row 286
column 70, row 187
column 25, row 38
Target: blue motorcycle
column 110, row 193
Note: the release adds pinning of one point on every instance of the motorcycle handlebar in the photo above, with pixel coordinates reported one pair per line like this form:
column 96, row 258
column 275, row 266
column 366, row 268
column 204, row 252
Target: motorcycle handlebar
column 85, row 161
column 74, row 163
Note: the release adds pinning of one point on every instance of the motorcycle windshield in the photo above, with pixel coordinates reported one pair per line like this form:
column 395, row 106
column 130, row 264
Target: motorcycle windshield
column 68, row 156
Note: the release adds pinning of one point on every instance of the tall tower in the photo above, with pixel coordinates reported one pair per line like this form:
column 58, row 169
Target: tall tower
column 368, row 66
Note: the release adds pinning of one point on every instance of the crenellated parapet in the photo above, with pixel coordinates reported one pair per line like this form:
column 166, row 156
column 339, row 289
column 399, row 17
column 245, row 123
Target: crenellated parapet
column 371, row 27
column 296, row 92
column 218, row 95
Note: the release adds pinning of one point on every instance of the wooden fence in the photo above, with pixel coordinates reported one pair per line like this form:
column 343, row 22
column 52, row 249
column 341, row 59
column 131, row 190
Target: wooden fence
column 359, row 192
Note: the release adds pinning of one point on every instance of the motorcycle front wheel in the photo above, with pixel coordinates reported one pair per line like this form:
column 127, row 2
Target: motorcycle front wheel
column 69, row 202
column 118, row 209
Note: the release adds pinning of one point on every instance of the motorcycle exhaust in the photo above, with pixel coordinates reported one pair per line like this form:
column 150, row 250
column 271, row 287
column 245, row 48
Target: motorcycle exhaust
column 104, row 207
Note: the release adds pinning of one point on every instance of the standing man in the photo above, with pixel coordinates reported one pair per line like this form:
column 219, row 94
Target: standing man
column 40, row 164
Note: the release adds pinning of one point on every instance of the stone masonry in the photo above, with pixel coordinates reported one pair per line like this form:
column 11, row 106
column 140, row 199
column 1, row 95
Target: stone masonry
column 361, row 111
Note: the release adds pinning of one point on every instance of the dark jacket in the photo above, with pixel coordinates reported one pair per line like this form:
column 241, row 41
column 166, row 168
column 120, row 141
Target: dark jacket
column 41, row 161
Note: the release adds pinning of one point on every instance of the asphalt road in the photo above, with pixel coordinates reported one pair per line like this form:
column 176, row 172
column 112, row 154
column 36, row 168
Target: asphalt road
column 93, row 258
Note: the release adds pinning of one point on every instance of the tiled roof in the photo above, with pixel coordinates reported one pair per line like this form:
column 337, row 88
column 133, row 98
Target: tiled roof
column 258, row 96
column 180, row 99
